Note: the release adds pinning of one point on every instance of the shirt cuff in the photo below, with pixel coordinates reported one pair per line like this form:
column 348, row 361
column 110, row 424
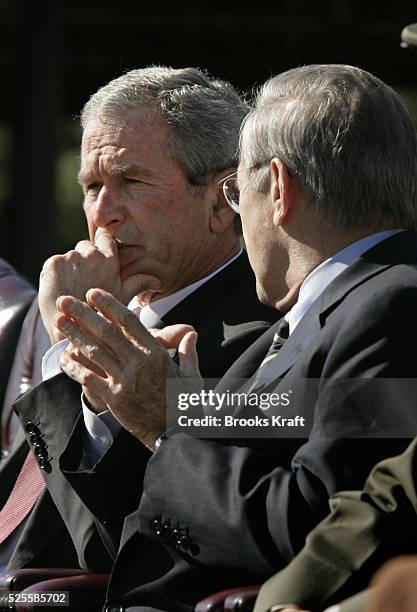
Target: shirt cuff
column 50, row 361
column 100, row 431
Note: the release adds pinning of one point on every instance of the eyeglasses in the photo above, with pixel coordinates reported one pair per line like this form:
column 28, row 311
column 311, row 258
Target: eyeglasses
column 231, row 190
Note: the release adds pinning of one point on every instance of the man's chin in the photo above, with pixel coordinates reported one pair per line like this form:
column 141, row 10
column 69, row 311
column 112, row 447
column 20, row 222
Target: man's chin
column 263, row 296
column 148, row 296
column 145, row 287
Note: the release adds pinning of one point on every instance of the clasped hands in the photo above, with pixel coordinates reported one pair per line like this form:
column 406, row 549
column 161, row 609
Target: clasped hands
column 121, row 365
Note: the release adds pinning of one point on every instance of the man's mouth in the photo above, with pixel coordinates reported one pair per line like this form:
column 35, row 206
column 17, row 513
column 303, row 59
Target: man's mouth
column 128, row 254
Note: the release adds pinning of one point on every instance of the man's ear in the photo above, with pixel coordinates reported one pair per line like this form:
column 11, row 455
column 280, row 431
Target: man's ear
column 221, row 215
column 281, row 185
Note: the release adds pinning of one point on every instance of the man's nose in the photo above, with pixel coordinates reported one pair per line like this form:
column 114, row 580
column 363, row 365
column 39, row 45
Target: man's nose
column 108, row 210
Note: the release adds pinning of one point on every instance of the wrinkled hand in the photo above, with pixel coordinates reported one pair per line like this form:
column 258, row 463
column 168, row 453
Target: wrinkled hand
column 88, row 265
column 131, row 365
column 395, row 586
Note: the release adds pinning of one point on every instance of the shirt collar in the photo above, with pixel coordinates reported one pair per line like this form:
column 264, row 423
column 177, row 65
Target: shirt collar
column 317, row 281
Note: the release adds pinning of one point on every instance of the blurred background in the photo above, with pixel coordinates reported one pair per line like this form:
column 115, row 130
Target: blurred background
column 55, row 53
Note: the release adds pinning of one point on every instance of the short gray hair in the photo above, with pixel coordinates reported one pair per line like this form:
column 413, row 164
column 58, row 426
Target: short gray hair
column 348, row 139
column 204, row 114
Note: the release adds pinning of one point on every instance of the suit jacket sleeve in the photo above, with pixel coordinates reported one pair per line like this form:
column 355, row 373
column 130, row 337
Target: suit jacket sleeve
column 94, row 502
column 361, row 532
column 249, row 504
column 95, row 518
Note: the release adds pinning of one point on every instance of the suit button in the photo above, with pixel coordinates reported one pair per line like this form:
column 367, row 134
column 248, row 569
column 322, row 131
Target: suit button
column 176, row 534
column 34, row 439
column 39, row 451
column 156, row 527
column 167, row 529
column 43, row 462
column 31, row 428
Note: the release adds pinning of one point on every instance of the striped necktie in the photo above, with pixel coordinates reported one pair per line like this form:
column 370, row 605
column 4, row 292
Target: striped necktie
column 278, row 341
column 280, row 336
column 25, row 493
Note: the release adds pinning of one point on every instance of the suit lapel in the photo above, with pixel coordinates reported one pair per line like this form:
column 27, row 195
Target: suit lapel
column 201, row 305
column 401, row 247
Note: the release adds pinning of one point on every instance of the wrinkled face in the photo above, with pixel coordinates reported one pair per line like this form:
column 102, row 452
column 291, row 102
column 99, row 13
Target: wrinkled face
column 268, row 258
column 135, row 191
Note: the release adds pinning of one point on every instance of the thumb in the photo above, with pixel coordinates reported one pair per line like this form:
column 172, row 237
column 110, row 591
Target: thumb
column 172, row 335
column 187, row 352
column 105, row 243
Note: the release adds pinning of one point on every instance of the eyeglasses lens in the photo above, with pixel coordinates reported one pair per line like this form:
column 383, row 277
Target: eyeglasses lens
column 231, row 192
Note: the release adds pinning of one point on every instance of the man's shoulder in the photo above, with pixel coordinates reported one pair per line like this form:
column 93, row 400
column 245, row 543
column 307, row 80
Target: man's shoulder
column 14, row 288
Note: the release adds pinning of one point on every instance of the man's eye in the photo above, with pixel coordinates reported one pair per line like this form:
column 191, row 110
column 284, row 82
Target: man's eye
column 91, row 187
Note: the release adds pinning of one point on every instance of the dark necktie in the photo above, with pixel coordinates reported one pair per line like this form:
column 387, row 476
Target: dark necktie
column 262, row 372
column 280, row 336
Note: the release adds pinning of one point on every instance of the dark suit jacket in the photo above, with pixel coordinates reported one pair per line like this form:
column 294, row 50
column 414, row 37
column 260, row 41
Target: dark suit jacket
column 16, row 295
column 363, row 530
column 228, row 316
column 245, row 506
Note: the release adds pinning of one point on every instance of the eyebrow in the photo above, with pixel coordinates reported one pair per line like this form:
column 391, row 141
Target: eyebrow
column 117, row 169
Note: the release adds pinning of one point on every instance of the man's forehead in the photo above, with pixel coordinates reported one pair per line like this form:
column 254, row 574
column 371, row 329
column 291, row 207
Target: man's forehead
column 124, row 143
column 122, row 138
column 124, row 125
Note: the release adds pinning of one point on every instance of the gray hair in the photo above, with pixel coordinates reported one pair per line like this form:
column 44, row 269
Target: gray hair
column 204, row 114
column 347, row 138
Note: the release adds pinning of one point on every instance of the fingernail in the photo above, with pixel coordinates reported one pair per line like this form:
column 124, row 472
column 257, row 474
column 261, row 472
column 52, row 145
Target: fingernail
column 94, row 295
column 65, row 302
column 62, row 323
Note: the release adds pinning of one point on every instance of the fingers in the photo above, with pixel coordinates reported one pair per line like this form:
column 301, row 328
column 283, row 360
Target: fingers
column 188, row 355
column 95, row 385
column 105, row 243
column 184, row 338
column 114, row 311
column 94, row 353
column 84, row 247
column 77, row 355
column 171, row 336
column 87, row 330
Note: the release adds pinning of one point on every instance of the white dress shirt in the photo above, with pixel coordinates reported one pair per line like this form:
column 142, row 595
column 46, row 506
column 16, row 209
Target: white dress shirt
column 317, row 281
